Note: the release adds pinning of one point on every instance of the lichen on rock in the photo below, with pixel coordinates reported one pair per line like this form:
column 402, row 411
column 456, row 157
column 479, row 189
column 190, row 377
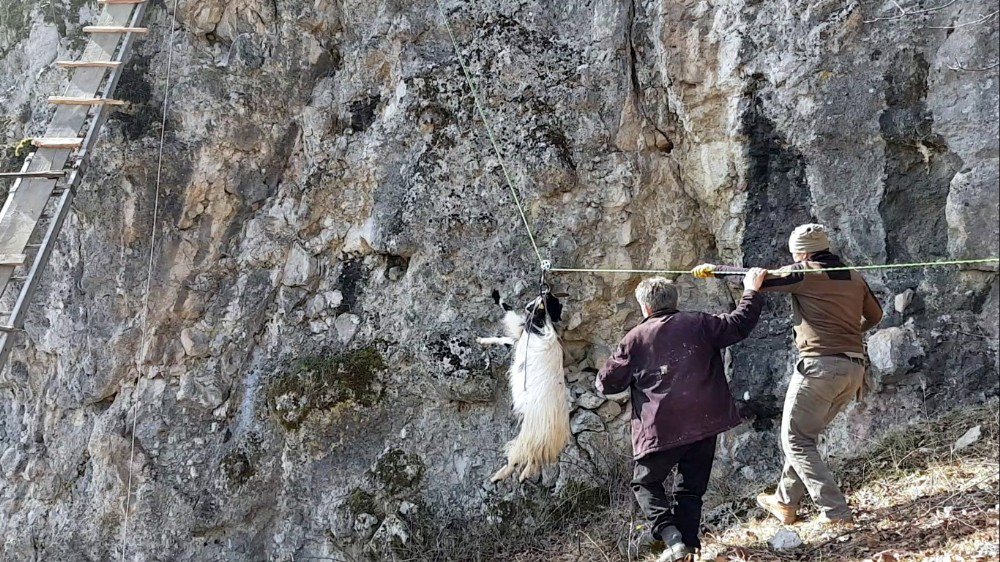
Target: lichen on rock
column 335, row 383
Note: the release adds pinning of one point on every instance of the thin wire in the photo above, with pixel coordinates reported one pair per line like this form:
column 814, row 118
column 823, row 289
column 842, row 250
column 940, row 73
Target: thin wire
column 489, row 132
column 149, row 269
column 778, row 271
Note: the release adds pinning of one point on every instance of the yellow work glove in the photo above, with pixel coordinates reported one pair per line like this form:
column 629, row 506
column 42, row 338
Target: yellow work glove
column 704, row 271
column 22, row 147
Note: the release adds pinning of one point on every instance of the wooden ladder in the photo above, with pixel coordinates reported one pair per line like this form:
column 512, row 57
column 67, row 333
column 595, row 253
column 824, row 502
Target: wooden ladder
column 39, row 198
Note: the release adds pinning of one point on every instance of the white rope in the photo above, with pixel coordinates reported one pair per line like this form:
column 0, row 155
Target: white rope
column 144, row 340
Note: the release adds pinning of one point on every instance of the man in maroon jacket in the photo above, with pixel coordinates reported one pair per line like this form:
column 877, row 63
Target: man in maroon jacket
column 672, row 365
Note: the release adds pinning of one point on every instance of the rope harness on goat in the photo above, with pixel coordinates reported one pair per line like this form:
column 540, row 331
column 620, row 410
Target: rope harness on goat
column 543, row 290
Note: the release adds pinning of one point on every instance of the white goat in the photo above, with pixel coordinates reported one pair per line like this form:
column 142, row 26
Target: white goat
column 537, row 387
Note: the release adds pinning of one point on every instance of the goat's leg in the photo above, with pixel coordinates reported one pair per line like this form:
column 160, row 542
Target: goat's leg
column 503, row 473
column 530, row 471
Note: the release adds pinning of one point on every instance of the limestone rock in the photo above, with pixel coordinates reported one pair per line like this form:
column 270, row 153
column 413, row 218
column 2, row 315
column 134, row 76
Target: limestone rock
column 585, row 420
column 365, row 524
column 785, row 539
column 195, row 342
column 892, row 350
column 392, row 532
column 973, row 215
column 902, row 301
column 590, row 401
column 609, row 410
column 968, row 438
column 347, row 326
column 11, row 461
column 299, row 267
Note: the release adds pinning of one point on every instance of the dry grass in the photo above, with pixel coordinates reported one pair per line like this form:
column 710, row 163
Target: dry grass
column 915, row 497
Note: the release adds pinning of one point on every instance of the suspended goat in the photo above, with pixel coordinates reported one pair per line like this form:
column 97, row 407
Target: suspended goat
column 537, row 385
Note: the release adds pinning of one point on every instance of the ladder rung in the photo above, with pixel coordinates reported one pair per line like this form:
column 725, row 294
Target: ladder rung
column 12, row 259
column 50, row 174
column 8, row 329
column 121, row 1
column 58, row 142
column 63, row 100
column 114, row 29
column 88, row 64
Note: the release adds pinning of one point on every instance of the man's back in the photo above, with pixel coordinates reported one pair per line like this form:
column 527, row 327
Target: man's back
column 672, row 365
column 831, row 309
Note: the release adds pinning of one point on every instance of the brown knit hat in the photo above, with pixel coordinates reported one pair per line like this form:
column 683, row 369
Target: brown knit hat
column 808, row 238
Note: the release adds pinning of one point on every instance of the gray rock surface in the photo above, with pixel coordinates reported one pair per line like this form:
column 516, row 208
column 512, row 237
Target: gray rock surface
column 332, row 221
column 785, row 539
column 892, row 350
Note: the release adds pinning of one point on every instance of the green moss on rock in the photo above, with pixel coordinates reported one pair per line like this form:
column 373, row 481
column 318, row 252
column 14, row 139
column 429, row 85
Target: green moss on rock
column 360, row 501
column 326, row 383
column 399, row 471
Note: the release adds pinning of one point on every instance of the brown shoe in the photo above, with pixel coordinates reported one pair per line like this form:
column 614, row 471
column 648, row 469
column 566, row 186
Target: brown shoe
column 784, row 513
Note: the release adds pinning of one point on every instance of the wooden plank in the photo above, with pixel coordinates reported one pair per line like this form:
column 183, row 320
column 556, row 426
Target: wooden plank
column 13, row 259
column 114, row 29
column 55, row 142
column 88, row 64
column 51, row 175
column 66, row 100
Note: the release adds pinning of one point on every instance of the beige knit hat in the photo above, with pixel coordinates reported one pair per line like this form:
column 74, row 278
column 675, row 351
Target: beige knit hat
column 808, row 238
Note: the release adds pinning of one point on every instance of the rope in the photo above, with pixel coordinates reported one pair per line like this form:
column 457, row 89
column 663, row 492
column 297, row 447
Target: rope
column 149, row 272
column 643, row 271
column 893, row 265
column 489, row 133
column 777, row 271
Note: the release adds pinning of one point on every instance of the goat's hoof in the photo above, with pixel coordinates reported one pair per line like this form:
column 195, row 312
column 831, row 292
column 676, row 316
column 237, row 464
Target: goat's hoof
column 502, row 474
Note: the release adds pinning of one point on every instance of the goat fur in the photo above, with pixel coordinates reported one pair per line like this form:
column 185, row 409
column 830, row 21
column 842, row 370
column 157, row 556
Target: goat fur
column 542, row 404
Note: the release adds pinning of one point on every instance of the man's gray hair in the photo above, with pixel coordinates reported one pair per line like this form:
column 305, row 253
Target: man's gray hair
column 657, row 293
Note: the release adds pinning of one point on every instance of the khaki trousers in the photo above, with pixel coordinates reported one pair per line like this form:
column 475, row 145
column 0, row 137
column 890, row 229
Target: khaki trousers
column 820, row 389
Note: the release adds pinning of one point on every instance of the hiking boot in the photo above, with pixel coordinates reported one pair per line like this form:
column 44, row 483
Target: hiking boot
column 771, row 504
column 834, row 520
column 674, row 549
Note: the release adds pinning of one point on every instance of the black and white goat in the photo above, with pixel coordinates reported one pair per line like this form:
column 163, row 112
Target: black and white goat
column 537, row 386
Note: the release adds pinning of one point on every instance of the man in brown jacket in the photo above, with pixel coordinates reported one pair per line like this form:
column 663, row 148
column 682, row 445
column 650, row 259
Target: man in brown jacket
column 672, row 365
column 831, row 311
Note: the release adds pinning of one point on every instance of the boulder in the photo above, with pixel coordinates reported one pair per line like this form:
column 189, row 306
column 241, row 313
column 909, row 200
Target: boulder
column 892, row 350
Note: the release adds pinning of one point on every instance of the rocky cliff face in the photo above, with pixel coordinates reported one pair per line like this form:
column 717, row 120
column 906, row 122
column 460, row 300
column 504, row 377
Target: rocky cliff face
column 331, row 221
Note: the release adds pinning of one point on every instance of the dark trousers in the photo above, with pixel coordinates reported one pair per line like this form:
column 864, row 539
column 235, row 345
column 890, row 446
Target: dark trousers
column 694, row 466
